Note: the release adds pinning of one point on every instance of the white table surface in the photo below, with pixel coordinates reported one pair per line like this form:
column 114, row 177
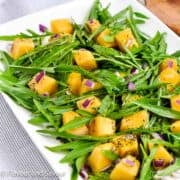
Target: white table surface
column 11, row 9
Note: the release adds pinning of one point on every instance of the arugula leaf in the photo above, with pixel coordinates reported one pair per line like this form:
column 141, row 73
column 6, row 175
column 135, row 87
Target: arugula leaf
column 69, row 146
column 37, row 120
column 80, row 162
column 77, row 153
column 77, row 122
column 110, row 155
column 98, row 176
column 71, row 136
column 44, row 112
column 146, row 171
column 140, row 15
column 30, row 34
column 108, row 105
column 93, row 14
column 159, row 110
column 74, row 173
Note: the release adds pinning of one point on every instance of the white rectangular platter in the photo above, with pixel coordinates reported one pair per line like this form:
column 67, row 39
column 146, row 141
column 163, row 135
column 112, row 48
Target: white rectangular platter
column 77, row 10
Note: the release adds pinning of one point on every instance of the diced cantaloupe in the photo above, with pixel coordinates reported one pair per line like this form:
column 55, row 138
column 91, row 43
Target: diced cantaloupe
column 44, row 86
column 126, row 40
column 93, row 24
column 169, row 63
column 61, row 26
column 89, row 104
column 97, row 160
column 136, row 120
column 170, row 77
column 126, row 144
column 89, row 85
column 71, row 115
column 102, row 126
column 21, row 47
column 126, row 169
column 102, row 39
column 85, row 59
column 161, row 155
column 175, row 127
column 175, row 102
column 74, row 81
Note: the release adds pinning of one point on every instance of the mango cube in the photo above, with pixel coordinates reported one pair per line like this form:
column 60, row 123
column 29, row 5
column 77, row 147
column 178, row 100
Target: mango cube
column 162, row 157
column 169, row 63
column 74, row 82
column 89, row 85
column 21, row 47
column 102, row 126
column 175, row 102
column 89, row 104
column 97, row 161
column 126, row 40
column 136, row 120
column 126, row 169
column 71, row 115
column 126, row 144
column 101, row 39
column 170, row 77
column 61, row 26
column 85, row 59
column 43, row 84
column 93, row 25
column 175, row 127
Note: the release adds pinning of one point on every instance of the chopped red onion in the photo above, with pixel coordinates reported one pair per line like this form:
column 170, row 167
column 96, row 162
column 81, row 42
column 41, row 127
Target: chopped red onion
column 129, row 162
column 131, row 86
column 46, row 94
column 42, row 28
column 170, row 64
column 39, row 76
column 89, row 83
column 178, row 101
column 86, row 103
column 56, row 36
column 134, row 71
column 158, row 163
column 84, row 172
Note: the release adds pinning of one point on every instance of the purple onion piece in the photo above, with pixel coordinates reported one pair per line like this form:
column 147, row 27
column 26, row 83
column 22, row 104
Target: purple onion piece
column 178, row 101
column 42, row 28
column 134, row 71
column 39, row 76
column 170, row 64
column 158, row 163
column 86, row 103
column 131, row 86
column 89, row 83
column 84, row 172
column 56, row 36
column 46, row 94
column 129, row 162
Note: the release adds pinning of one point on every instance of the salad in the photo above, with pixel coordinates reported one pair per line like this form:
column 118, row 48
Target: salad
column 107, row 91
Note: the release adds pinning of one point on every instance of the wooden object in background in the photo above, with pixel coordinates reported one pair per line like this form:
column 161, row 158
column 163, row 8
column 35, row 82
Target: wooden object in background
column 168, row 11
